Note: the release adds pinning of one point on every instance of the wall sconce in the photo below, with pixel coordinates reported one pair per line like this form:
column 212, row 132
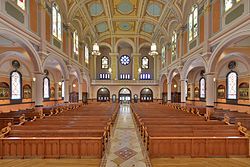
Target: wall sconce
column 214, row 79
column 74, row 85
column 110, row 70
column 139, row 70
column 59, row 83
column 175, row 86
column 33, row 79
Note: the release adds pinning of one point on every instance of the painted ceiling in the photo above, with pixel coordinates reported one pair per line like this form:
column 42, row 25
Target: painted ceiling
column 102, row 18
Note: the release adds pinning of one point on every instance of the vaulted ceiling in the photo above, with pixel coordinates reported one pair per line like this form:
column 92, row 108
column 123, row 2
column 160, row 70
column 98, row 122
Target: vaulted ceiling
column 102, row 19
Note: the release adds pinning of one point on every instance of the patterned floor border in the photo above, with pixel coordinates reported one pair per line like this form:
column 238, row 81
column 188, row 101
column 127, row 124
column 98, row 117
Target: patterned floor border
column 107, row 150
column 144, row 150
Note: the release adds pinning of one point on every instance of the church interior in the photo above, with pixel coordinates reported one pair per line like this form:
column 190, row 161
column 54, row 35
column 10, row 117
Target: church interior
column 129, row 83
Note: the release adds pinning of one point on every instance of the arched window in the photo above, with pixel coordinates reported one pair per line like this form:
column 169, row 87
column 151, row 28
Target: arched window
column 105, row 62
column 228, row 4
column 146, row 95
column 232, row 81
column 173, row 48
column 57, row 22
column 16, row 85
column 86, row 55
column 163, row 50
column 46, row 88
column 144, row 63
column 76, row 43
column 21, row 4
column 202, row 88
column 193, row 23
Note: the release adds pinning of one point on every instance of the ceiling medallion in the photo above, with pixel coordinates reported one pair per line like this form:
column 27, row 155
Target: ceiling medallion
column 96, row 9
column 125, row 26
column 147, row 27
column 102, row 27
column 154, row 9
column 125, row 7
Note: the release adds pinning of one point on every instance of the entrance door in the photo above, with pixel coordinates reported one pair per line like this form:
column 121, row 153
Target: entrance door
column 124, row 95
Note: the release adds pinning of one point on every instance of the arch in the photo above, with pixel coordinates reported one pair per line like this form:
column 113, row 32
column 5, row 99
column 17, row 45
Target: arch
column 173, row 72
column 60, row 61
column 126, row 40
column 227, row 41
column 146, row 95
column 125, row 94
column 35, row 58
column 76, row 72
column 103, row 94
column 191, row 63
column 105, row 44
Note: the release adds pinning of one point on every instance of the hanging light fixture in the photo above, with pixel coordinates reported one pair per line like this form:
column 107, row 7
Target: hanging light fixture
column 153, row 48
column 96, row 50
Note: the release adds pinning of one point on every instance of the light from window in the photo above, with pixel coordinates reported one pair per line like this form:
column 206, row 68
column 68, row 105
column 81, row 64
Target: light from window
column 104, row 76
column 228, row 4
column 145, row 76
column 145, row 63
column 202, row 88
column 46, row 88
column 193, row 23
column 86, row 54
column 173, row 47
column 62, row 88
column 232, row 85
column 76, row 43
column 57, row 22
column 15, row 85
column 125, row 76
column 105, row 62
column 21, row 4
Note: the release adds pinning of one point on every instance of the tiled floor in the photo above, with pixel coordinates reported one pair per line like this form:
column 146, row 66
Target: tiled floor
column 125, row 149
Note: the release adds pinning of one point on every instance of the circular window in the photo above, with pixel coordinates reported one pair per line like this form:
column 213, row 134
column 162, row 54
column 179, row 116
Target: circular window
column 125, row 60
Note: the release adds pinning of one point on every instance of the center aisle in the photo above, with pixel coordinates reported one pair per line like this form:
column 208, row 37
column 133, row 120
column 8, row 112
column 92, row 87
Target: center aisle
column 125, row 150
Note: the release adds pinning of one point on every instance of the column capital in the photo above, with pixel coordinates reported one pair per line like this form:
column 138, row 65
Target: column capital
column 209, row 73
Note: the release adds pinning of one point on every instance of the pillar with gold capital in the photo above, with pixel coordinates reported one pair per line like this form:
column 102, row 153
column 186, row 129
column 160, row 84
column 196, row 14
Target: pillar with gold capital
column 136, row 65
column 113, row 65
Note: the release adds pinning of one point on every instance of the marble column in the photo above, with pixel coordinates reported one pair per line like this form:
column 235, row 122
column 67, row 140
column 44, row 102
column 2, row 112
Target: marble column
column 210, row 94
column 39, row 89
column 66, row 91
column 136, row 57
column 33, row 88
column 113, row 65
column 56, row 91
column 183, row 90
column 169, row 91
column 191, row 91
column 80, row 92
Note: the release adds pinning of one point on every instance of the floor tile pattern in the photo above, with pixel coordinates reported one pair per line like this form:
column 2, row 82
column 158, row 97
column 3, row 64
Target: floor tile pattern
column 125, row 149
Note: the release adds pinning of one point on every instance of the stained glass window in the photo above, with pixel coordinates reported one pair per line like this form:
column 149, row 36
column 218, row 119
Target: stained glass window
column 232, row 85
column 173, row 47
column 62, row 88
column 163, row 55
column 145, row 63
column 76, row 43
column 16, row 85
column 228, row 4
column 21, row 4
column 193, row 23
column 105, row 63
column 125, row 60
column 57, row 22
column 202, row 88
column 46, row 88
column 86, row 54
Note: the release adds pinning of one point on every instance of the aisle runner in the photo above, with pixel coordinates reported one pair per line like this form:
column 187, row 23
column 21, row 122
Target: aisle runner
column 125, row 150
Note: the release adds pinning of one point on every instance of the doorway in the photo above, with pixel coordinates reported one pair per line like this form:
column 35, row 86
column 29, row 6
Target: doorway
column 124, row 95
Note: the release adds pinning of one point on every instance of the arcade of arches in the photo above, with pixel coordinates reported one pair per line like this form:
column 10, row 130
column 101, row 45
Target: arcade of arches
column 47, row 55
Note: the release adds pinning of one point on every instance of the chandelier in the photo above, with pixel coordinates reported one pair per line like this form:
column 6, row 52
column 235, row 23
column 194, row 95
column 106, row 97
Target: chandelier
column 96, row 50
column 153, row 50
